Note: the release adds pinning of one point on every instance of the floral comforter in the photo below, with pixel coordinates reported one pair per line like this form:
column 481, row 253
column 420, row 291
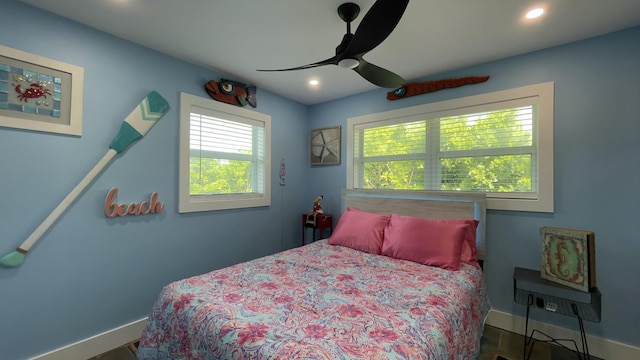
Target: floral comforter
column 320, row 301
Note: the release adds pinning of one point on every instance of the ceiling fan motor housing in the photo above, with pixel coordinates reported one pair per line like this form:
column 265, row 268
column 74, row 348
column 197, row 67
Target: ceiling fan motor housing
column 348, row 12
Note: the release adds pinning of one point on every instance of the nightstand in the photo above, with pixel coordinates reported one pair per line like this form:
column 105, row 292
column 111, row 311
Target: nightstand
column 532, row 290
column 322, row 222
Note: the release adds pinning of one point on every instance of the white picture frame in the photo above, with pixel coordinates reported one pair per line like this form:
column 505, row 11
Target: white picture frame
column 40, row 94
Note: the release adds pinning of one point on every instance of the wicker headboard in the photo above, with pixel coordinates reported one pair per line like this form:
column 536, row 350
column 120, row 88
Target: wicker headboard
column 423, row 204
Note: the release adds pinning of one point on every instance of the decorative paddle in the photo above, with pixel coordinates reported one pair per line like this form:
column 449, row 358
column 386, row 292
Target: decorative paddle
column 135, row 126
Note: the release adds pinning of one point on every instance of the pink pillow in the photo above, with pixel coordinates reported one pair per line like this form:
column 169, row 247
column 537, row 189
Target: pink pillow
column 423, row 241
column 468, row 254
column 360, row 230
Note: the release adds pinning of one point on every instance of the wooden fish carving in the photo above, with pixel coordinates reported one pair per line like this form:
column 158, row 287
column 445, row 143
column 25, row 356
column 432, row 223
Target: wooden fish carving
column 232, row 92
column 413, row 89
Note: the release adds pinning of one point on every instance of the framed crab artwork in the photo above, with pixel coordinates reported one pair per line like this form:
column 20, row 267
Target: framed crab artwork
column 40, row 94
column 325, row 146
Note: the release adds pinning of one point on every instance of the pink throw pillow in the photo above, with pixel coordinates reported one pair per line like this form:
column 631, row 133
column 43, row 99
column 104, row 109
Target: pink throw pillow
column 424, row 241
column 360, row 230
column 468, row 254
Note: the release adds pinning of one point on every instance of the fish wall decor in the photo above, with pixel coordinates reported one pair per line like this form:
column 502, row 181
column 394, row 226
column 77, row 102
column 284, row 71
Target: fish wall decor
column 232, row 92
column 413, row 89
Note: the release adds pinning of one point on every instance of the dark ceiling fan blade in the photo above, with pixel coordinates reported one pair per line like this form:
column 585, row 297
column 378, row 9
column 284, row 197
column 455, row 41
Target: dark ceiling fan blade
column 378, row 76
column 330, row 61
column 381, row 19
column 376, row 26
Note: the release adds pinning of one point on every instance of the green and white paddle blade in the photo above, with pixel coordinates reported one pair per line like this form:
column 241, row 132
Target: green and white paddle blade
column 13, row 259
column 138, row 123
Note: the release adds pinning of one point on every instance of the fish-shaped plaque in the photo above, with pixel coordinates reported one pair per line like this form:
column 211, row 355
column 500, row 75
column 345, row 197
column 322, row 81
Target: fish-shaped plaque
column 232, row 92
column 413, row 89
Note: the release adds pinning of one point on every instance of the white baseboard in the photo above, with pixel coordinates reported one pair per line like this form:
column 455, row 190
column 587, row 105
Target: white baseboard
column 599, row 347
column 98, row 344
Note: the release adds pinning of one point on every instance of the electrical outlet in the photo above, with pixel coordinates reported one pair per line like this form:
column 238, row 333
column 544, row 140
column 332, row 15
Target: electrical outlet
column 551, row 307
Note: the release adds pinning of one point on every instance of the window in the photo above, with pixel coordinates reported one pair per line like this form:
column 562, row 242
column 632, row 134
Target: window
column 499, row 143
column 225, row 154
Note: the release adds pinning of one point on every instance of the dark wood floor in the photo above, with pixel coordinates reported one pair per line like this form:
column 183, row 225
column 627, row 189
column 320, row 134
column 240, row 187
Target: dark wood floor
column 126, row 352
column 497, row 342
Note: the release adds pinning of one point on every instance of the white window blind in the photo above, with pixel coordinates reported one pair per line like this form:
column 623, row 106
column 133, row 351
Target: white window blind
column 490, row 143
column 226, row 163
column 226, row 157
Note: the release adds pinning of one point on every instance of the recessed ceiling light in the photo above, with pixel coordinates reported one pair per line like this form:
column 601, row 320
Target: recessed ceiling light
column 532, row 14
column 314, row 82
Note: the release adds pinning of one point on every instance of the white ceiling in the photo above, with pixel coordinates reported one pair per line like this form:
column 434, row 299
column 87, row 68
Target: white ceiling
column 236, row 37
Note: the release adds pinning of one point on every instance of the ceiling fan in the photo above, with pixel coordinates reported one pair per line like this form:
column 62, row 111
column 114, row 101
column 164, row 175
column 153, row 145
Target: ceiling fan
column 374, row 28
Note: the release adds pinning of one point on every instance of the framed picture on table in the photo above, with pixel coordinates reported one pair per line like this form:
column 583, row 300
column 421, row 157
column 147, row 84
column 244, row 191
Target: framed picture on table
column 568, row 257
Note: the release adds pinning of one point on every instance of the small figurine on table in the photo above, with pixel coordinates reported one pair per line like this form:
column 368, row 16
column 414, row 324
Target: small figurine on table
column 316, row 205
column 317, row 209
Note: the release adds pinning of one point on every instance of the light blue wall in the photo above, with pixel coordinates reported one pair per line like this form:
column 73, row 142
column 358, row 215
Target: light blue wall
column 597, row 168
column 90, row 274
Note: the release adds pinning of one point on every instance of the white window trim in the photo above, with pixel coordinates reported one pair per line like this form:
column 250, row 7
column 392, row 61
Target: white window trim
column 188, row 203
column 542, row 201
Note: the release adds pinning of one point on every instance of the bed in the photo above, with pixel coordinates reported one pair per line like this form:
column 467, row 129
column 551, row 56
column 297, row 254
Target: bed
column 338, row 298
